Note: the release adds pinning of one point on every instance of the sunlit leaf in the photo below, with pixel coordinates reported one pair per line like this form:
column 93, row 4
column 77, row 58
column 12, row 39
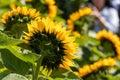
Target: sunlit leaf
column 28, row 57
column 13, row 63
column 6, row 41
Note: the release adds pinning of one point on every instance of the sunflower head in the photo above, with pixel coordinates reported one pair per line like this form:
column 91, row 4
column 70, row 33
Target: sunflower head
column 47, row 8
column 50, row 2
column 19, row 15
column 52, row 8
column 87, row 11
column 16, row 20
column 110, row 42
column 88, row 69
column 73, row 21
column 52, row 11
column 48, row 38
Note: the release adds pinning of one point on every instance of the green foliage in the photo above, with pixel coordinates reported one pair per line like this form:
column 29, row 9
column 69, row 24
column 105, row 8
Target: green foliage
column 60, row 73
column 6, row 41
column 13, row 63
column 4, row 73
column 87, row 40
column 63, row 73
column 11, row 45
column 5, row 3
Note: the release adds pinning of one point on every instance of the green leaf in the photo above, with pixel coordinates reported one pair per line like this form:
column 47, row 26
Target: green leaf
column 6, row 41
column 59, row 19
column 61, row 73
column 31, row 57
column 10, row 44
column 80, row 41
column 27, row 57
column 13, row 63
column 111, row 77
column 1, row 64
column 84, row 40
column 14, row 76
column 96, row 51
column 71, row 76
column 4, row 73
column 91, row 40
column 5, row 3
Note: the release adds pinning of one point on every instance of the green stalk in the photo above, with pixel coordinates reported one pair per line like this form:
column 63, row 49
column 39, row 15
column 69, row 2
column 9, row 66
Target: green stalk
column 38, row 68
column 33, row 76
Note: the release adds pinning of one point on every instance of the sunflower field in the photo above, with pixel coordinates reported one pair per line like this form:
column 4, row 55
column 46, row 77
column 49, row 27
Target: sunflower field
column 55, row 40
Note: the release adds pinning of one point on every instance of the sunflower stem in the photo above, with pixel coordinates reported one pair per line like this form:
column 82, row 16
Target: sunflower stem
column 33, row 72
column 38, row 68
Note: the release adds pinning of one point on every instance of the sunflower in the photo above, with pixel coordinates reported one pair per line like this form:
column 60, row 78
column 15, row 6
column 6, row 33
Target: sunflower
column 50, row 2
column 48, row 38
column 16, row 20
column 76, row 16
column 113, row 38
column 87, row 69
column 52, row 11
column 52, row 8
column 21, row 15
